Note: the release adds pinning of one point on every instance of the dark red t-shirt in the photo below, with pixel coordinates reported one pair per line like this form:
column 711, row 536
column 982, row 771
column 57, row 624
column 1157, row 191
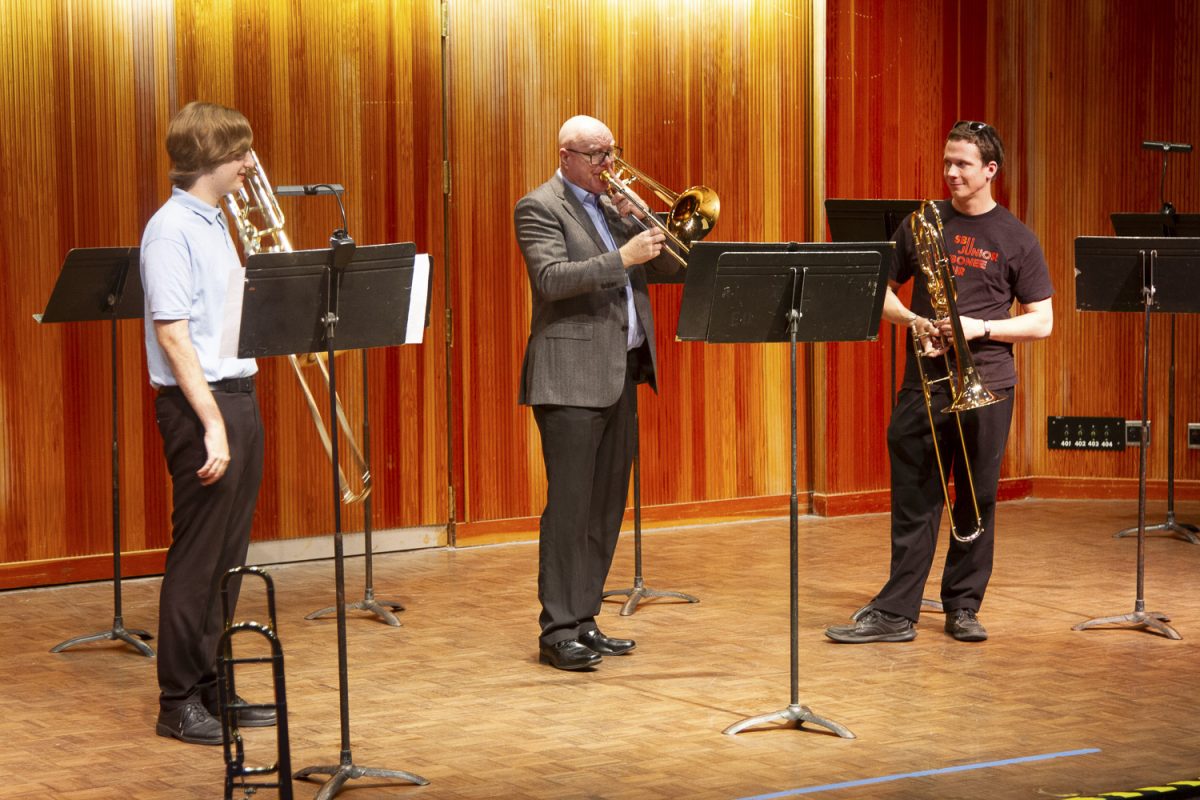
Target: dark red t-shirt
column 995, row 260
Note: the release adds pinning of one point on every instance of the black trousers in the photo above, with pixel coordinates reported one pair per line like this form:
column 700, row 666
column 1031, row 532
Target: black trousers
column 917, row 499
column 210, row 534
column 588, row 454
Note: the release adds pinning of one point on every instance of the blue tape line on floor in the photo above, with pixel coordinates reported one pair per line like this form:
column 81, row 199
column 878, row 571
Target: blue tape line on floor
column 922, row 774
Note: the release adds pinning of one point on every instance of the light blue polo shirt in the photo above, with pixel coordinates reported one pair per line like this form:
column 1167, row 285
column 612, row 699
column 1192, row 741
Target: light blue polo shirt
column 186, row 259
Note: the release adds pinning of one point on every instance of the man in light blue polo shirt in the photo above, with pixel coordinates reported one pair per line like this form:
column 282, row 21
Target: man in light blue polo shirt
column 207, row 413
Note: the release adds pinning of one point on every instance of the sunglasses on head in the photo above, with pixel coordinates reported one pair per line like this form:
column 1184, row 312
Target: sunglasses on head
column 973, row 127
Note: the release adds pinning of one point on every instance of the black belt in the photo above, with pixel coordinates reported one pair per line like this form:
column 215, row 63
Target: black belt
column 229, row 385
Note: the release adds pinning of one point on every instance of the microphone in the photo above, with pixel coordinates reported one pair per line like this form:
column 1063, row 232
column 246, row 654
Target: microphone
column 328, row 188
column 1167, row 147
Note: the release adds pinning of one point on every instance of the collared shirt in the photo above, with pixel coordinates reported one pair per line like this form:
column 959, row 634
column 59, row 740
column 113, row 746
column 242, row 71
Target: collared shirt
column 591, row 204
column 186, row 259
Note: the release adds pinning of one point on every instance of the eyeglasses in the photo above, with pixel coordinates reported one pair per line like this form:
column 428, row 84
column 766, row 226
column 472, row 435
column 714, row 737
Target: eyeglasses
column 599, row 157
column 973, row 127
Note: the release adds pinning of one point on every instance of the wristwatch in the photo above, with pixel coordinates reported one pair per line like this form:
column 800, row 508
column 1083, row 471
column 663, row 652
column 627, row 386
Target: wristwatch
column 987, row 330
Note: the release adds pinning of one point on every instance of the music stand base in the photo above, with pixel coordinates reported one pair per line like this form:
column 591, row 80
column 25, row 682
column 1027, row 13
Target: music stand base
column 384, row 609
column 1152, row 620
column 794, row 713
column 638, row 592
column 119, row 633
column 338, row 775
column 1180, row 529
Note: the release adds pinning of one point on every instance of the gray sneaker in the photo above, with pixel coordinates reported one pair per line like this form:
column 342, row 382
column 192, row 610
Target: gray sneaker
column 874, row 625
column 963, row 625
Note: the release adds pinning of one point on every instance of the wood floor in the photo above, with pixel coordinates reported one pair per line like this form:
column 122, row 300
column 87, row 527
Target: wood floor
column 456, row 694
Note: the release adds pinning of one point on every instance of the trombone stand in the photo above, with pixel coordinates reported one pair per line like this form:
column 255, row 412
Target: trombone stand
column 384, row 609
column 639, row 591
column 1140, row 618
column 118, row 632
column 1181, row 530
column 345, row 769
column 794, row 713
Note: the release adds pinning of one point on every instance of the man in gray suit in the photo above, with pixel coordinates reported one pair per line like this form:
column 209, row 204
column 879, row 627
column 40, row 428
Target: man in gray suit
column 591, row 341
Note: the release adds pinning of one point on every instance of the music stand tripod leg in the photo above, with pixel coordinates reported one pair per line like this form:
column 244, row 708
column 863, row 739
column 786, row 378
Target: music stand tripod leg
column 383, row 609
column 1153, row 620
column 342, row 773
column 639, row 590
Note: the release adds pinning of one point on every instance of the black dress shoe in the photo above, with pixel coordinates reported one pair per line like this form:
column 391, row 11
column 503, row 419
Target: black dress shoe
column 606, row 645
column 568, row 654
column 963, row 625
column 248, row 717
column 189, row 723
column 873, row 625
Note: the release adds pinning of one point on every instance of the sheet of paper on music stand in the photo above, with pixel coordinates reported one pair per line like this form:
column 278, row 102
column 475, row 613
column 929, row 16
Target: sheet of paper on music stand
column 231, row 328
column 416, row 300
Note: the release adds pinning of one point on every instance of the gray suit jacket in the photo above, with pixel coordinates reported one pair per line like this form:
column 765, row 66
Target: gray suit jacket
column 576, row 353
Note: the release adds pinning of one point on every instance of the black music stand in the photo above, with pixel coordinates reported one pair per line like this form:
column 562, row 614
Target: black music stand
column 1168, row 224
column 98, row 283
column 793, row 293
column 293, row 303
column 639, row 591
column 1159, row 275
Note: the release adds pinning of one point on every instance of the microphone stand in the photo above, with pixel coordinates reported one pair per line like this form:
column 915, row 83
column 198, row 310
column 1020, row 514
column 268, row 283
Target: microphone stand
column 384, row 609
column 1155, row 621
column 639, row 590
column 1182, row 530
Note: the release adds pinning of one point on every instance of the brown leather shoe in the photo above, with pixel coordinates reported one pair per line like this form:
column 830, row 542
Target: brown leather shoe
column 606, row 645
column 569, row 655
column 189, row 723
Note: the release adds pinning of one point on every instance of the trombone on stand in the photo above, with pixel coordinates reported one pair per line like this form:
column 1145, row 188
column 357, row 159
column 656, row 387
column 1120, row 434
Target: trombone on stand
column 260, row 223
column 692, row 214
column 237, row 774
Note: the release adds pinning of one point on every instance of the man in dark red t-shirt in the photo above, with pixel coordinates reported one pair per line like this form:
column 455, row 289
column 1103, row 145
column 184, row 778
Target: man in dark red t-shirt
column 995, row 260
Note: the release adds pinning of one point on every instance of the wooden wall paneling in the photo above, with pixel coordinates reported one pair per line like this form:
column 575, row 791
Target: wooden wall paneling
column 76, row 79
column 333, row 93
column 694, row 95
column 1082, row 102
column 893, row 89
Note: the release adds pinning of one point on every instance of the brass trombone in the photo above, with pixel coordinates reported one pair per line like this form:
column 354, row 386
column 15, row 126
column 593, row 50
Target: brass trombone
column 967, row 391
column 260, row 225
column 693, row 212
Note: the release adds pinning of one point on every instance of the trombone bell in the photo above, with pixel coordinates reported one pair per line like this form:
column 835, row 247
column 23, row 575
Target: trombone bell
column 692, row 213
